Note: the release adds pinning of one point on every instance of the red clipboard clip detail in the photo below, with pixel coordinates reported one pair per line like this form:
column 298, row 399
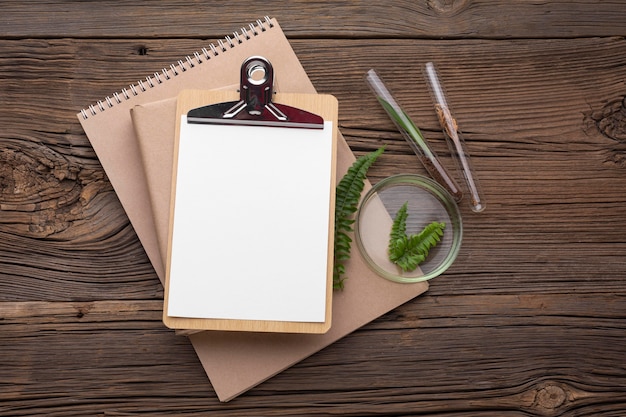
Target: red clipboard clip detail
column 255, row 106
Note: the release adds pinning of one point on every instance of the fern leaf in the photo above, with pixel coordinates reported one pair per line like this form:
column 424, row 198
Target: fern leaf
column 429, row 237
column 408, row 259
column 348, row 194
column 397, row 248
column 409, row 251
column 398, row 239
column 351, row 185
column 398, row 229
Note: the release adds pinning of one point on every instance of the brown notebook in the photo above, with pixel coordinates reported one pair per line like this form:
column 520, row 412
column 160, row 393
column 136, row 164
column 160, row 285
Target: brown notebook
column 234, row 361
column 237, row 361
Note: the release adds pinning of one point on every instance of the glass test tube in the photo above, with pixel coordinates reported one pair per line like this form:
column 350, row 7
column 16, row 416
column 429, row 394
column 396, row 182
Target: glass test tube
column 413, row 136
column 454, row 137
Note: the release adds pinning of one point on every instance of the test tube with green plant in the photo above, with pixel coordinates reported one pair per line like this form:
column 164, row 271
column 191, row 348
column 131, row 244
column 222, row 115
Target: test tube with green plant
column 413, row 135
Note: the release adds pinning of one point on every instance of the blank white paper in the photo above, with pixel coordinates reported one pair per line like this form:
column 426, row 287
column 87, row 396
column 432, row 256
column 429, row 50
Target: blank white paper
column 251, row 223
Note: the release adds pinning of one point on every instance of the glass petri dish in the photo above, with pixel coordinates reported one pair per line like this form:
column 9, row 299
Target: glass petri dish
column 427, row 202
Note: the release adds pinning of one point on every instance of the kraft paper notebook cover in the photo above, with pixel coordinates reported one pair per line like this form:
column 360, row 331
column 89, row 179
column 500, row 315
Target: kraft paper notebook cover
column 252, row 209
column 109, row 128
column 238, row 361
column 234, row 362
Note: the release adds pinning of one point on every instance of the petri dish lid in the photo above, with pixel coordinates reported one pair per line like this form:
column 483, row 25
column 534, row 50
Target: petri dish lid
column 427, row 202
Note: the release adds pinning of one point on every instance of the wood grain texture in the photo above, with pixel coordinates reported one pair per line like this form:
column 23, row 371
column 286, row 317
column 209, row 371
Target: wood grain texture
column 529, row 321
column 302, row 18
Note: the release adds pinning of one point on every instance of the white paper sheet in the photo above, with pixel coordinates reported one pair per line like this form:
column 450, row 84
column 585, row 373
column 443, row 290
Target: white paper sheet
column 251, row 223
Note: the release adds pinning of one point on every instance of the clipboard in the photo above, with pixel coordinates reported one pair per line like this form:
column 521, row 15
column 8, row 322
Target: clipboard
column 251, row 227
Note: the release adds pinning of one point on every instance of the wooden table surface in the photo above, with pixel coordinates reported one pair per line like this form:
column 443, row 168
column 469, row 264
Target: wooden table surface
column 529, row 320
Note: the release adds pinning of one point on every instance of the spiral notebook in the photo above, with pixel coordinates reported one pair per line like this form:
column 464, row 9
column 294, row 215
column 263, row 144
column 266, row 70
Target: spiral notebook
column 234, row 361
column 109, row 128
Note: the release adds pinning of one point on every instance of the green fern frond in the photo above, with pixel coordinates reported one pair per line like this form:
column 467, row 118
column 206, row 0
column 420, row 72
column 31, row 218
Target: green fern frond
column 429, row 237
column 398, row 229
column 348, row 194
column 405, row 255
column 409, row 251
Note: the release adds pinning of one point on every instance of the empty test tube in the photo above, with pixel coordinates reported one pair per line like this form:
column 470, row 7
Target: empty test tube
column 454, row 137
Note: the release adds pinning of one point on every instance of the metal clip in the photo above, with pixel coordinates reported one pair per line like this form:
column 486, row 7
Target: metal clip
column 255, row 106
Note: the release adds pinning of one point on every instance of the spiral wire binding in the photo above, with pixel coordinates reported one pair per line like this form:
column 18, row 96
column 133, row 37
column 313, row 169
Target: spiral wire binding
column 181, row 66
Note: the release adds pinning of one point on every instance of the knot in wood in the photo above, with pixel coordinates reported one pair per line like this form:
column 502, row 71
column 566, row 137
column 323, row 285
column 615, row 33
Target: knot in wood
column 29, row 169
column 82, row 310
column 43, row 192
column 611, row 120
column 550, row 397
column 446, row 7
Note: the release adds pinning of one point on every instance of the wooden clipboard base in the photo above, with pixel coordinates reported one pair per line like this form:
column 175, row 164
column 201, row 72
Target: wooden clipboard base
column 323, row 105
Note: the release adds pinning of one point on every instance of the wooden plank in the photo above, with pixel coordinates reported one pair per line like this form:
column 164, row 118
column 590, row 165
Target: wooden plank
column 533, row 353
column 302, row 19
